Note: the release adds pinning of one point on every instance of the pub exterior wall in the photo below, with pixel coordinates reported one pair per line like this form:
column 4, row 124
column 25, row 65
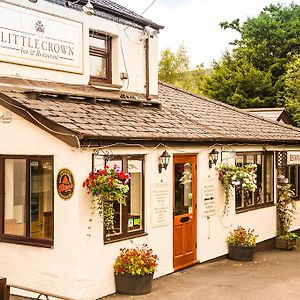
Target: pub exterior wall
column 128, row 54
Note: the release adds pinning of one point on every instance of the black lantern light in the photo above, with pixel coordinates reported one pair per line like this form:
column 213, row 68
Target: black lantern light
column 88, row 8
column 164, row 161
column 213, row 158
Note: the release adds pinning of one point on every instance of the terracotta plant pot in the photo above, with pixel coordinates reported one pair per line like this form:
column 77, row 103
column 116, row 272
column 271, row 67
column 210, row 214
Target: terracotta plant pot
column 284, row 244
column 133, row 284
column 241, row 253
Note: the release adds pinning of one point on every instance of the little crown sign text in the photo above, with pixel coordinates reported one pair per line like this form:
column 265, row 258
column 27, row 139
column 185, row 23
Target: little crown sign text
column 37, row 39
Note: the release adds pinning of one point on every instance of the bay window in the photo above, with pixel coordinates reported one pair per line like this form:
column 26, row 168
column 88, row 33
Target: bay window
column 27, row 200
column 264, row 194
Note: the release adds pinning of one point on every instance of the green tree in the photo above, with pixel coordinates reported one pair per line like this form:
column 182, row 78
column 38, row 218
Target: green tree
column 253, row 74
column 292, row 89
column 174, row 68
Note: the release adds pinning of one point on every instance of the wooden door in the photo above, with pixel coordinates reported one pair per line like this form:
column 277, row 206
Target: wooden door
column 184, row 211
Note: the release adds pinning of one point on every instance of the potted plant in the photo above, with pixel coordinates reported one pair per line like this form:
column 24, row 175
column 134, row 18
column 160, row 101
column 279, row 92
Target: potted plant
column 241, row 244
column 286, row 208
column 134, row 269
column 106, row 186
column 243, row 178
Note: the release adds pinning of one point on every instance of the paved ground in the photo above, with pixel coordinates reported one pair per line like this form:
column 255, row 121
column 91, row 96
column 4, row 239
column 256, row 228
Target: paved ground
column 273, row 275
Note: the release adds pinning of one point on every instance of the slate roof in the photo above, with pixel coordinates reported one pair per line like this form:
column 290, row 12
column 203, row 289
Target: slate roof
column 183, row 117
column 115, row 12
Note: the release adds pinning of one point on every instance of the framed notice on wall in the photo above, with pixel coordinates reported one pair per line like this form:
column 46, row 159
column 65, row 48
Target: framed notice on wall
column 34, row 38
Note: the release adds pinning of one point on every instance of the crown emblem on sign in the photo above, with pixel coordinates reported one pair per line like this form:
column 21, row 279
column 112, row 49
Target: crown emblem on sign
column 39, row 27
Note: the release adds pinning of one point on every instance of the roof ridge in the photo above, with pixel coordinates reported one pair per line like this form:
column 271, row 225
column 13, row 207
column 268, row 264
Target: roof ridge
column 220, row 103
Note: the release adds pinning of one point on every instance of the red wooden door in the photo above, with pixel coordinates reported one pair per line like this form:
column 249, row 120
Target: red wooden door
column 184, row 211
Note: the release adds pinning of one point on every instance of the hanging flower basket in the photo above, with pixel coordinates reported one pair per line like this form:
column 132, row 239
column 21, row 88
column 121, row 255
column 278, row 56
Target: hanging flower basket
column 241, row 178
column 106, row 187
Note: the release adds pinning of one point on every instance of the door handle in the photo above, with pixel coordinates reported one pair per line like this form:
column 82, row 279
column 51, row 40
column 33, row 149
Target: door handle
column 184, row 219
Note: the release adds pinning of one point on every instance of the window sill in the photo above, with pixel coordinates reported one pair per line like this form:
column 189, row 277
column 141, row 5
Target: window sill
column 124, row 238
column 103, row 83
column 243, row 210
column 27, row 242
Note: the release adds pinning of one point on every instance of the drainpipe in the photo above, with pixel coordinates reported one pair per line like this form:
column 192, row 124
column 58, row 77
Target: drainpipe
column 147, row 70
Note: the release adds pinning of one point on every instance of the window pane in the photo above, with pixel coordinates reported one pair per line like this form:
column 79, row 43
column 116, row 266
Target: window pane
column 41, row 191
column 135, row 169
column 98, row 66
column 183, row 188
column 269, row 178
column 293, row 178
column 259, row 192
column 98, row 42
column 15, row 195
column 117, row 205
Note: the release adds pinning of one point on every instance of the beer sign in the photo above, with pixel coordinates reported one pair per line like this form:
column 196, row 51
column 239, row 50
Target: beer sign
column 65, row 184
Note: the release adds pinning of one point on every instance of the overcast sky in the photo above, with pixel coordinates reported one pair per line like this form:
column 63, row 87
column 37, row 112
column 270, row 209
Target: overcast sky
column 196, row 23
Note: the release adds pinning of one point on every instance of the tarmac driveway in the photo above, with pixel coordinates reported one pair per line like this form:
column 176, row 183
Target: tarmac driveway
column 273, row 275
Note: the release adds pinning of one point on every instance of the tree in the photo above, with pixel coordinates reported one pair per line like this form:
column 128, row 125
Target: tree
column 174, row 68
column 253, row 74
column 292, row 89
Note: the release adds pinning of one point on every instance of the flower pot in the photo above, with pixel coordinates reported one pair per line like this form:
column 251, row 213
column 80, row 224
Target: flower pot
column 242, row 253
column 133, row 284
column 284, row 244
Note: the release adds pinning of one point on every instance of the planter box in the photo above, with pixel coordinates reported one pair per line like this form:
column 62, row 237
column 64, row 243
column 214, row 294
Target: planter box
column 284, row 244
column 241, row 253
column 133, row 285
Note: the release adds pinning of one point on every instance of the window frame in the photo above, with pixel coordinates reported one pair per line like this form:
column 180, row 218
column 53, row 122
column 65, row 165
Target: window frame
column 297, row 195
column 16, row 239
column 125, row 235
column 101, row 53
column 256, row 205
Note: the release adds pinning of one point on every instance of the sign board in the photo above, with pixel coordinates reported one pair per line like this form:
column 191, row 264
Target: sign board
column 160, row 204
column 293, row 157
column 34, row 38
column 65, row 184
column 209, row 199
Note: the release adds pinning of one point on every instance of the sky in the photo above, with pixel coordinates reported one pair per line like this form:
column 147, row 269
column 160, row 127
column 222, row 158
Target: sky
column 196, row 23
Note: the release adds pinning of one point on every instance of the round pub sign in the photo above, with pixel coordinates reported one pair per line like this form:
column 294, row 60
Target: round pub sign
column 65, row 184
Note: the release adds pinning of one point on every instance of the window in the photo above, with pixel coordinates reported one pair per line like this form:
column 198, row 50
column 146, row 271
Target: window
column 27, row 200
column 100, row 57
column 129, row 218
column 264, row 194
column 294, row 179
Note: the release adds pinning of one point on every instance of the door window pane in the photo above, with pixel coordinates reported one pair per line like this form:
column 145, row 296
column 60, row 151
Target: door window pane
column 41, row 191
column 15, row 197
column 269, row 178
column 183, row 188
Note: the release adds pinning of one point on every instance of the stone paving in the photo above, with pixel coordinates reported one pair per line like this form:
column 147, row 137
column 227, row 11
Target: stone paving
column 273, row 275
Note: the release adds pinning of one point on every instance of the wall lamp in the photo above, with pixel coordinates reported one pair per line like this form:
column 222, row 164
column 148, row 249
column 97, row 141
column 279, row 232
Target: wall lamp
column 213, row 157
column 164, row 160
column 33, row 1
column 88, row 9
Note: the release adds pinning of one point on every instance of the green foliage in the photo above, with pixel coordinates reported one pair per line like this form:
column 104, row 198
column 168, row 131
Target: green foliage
column 174, row 68
column 290, row 236
column 242, row 178
column 242, row 237
column 286, row 206
column 253, row 75
column 136, row 261
column 292, row 89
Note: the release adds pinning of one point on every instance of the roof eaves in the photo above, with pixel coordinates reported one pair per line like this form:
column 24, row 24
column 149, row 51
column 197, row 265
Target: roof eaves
column 66, row 135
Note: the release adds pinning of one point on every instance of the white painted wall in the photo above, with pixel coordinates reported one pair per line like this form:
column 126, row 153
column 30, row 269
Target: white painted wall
column 128, row 52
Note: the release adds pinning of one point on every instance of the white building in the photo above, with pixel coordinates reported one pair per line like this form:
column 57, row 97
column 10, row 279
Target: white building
column 75, row 89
